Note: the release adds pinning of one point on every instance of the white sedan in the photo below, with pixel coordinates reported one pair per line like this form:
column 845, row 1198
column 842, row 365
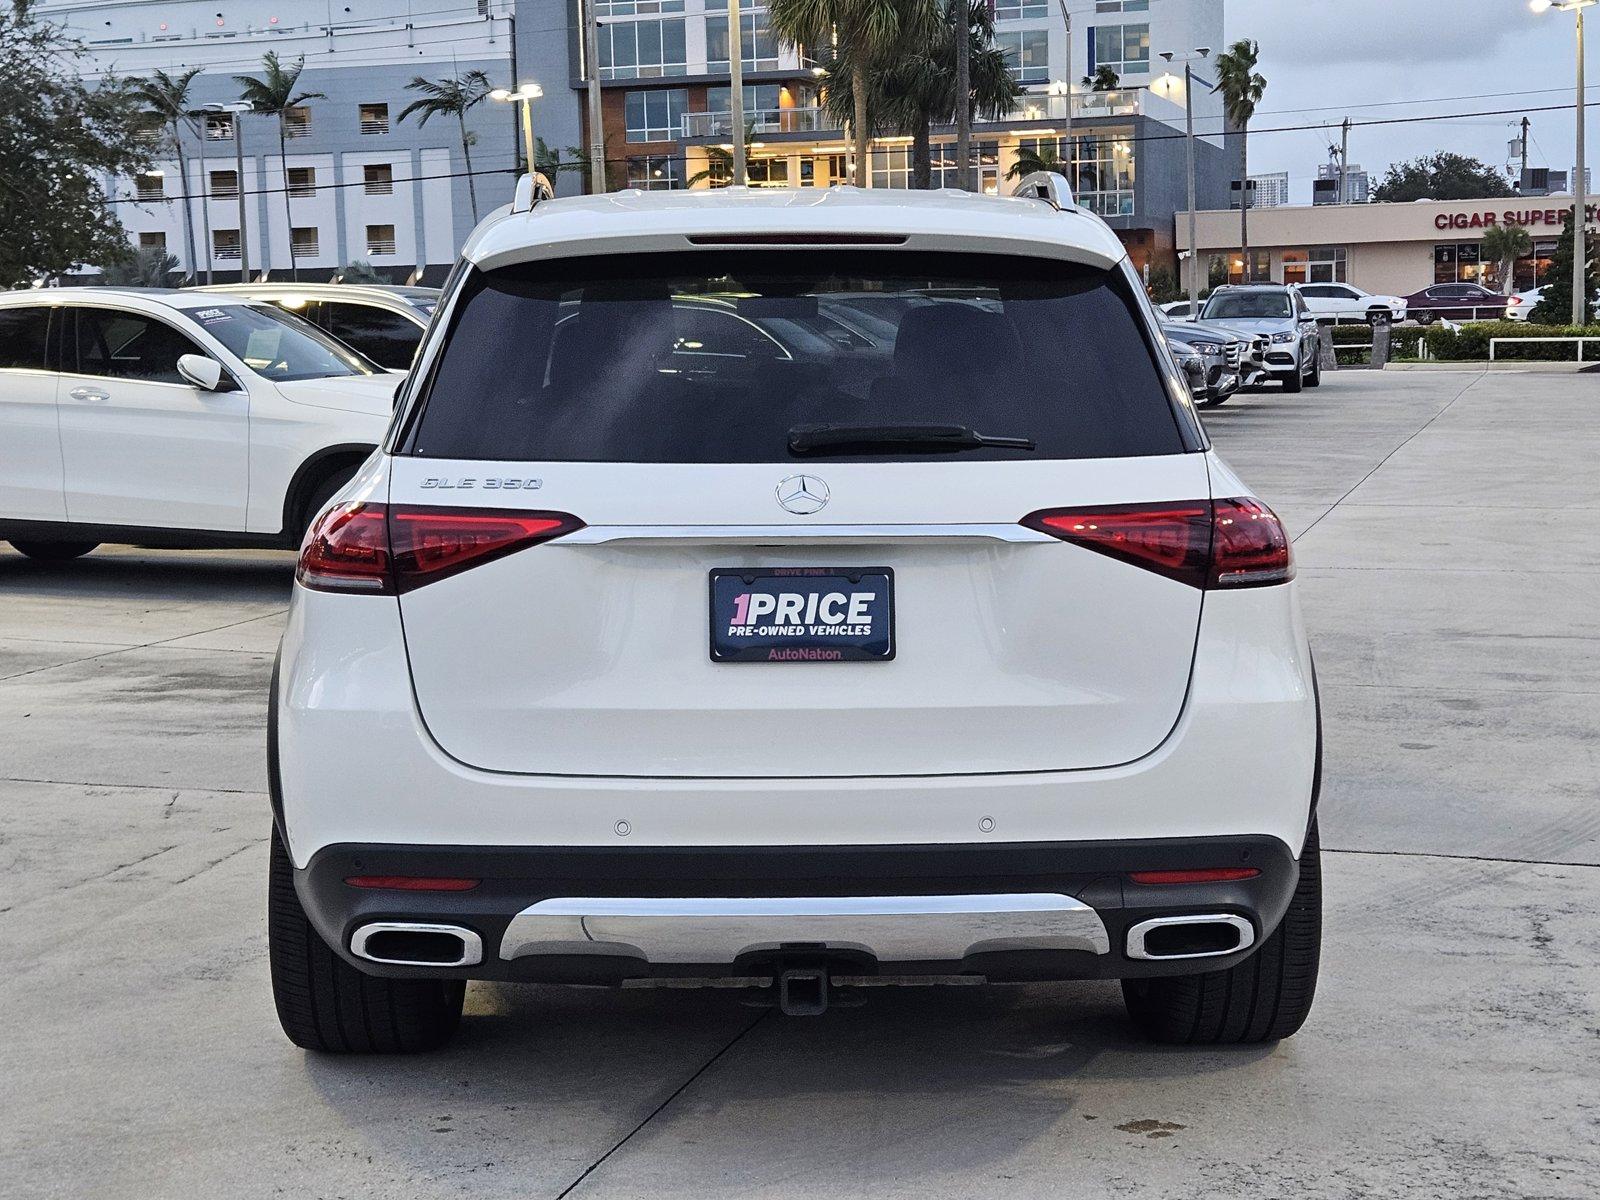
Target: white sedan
column 1346, row 302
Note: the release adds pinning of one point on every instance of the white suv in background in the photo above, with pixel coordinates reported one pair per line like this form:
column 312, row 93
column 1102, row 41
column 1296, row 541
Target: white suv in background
column 383, row 322
column 173, row 419
column 673, row 635
column 1346, row 302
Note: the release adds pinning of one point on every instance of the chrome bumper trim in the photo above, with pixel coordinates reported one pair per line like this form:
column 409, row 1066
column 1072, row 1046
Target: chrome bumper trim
column 720, row 930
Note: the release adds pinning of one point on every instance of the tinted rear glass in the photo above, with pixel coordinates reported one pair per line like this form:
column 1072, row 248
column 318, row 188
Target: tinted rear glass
column 718, row 357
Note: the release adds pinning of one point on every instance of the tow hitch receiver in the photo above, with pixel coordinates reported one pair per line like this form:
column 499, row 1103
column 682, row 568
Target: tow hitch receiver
column 803, row 991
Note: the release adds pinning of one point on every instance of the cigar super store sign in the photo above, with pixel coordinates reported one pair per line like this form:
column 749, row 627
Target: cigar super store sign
column 1533, row 218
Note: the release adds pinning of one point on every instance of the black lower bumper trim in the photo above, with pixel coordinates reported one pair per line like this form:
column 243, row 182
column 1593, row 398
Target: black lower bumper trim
column 512, row 878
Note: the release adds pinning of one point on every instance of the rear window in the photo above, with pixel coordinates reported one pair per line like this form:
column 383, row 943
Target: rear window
column 709, row 357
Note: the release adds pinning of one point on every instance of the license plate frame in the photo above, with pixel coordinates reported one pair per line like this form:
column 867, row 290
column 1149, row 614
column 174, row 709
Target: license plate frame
column 878, row 645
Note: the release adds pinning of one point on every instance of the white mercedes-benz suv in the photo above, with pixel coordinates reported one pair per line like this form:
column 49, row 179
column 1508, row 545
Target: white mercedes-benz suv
column 803, row 588
column 173, row 419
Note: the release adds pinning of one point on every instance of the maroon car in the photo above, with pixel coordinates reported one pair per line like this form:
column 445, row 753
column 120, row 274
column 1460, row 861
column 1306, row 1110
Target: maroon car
column 1456, row 302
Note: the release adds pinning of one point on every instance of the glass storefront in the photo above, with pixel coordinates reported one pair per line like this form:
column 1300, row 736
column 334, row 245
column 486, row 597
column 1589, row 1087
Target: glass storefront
column 1316, row 264
column 1102, row 175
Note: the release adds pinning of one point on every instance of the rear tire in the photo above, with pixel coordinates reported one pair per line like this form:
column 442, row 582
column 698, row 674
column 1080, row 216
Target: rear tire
column 1264, row 998
column 52, row 552
column 326, row 1004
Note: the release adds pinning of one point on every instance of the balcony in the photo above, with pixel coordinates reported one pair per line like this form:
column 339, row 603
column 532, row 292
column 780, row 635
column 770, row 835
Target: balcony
column 1043, row 106
column 758, row 121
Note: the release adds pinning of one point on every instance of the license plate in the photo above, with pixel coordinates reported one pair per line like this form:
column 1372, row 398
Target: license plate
column 802, row 614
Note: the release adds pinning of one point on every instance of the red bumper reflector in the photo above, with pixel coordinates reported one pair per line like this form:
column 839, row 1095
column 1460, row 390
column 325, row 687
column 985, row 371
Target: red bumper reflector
column 411, row 883
column 1207, row 875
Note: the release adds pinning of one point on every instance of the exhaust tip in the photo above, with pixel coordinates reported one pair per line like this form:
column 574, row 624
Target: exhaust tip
column 1209, row 935
column 414, row 944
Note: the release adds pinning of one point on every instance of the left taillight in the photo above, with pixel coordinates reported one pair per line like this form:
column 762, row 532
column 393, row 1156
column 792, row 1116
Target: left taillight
column 376, row 549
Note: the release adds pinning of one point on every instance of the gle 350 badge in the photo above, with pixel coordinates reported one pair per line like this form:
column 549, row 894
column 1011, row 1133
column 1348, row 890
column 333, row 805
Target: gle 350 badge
column 802, row 614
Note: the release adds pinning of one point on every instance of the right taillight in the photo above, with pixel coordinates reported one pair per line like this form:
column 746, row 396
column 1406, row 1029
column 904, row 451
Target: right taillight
column 376, row 549
column 1204, row 543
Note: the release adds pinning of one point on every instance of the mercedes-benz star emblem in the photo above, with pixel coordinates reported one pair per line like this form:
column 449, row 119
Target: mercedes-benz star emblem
column 802, row 494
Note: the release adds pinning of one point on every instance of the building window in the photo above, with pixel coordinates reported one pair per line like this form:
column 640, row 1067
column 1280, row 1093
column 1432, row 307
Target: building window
column 378, row 179
column 380, row 239
column 303, row 239
column 985, row 159
column 642, row 49
column 636, row 8
column 297, row 121
column 224, row 185
column 374, row 118
column 891, row 166
column 225, row 243
column 655, row 172
column 655, row 116
column 768, row 172
column 1123, row 48
column 1327, row 264
column 1102, row 175
column 153, row 241
column 1020, row 10
column 1027, row 53
column 758, row 50
column 219, row 127
column 1460, row 262
column 302, row 181
column 766, row 109
column 1121, row 6
column 150, row 187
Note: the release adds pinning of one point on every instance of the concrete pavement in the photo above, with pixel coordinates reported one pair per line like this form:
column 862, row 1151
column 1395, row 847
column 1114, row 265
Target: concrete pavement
column 1450, row 567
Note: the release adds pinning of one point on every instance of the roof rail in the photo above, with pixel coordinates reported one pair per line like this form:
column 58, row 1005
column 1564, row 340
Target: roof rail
column 1048, row 186
column 531, row 188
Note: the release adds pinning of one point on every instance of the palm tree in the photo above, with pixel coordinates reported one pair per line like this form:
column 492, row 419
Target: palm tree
column 1504, row 244
column 553, row 162
column 150, row 267
column 920, row 87
column 275, row 96
column 870, row 31
column 166, row 97
column 1242, row 88
column 452, row 98
column 1046, row 157
column 1103, row 80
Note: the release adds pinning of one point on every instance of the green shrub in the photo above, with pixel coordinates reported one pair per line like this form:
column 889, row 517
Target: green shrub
column 1470, row 343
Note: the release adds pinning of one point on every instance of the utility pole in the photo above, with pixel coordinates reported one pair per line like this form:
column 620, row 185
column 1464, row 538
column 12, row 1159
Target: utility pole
column 1580, row 209
column 963, row 36
column 736, row 93
column 1344, row 162
column 1522, row 174
column 1188, row 61
column 597, row 133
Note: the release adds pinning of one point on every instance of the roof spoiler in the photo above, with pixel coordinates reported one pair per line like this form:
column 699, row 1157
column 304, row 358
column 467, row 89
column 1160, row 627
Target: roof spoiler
column 531, row 189
column 1048, row 186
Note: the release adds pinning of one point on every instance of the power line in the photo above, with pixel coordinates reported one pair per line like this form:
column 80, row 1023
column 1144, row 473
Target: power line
column 1156, row 137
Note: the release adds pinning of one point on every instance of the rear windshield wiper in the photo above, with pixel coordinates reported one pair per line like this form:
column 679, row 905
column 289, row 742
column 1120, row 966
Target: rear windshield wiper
column 915, row 439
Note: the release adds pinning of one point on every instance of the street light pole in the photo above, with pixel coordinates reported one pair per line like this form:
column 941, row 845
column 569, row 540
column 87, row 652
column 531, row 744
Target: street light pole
column 1188, row 61
column 523, row 98
column 1580, row 192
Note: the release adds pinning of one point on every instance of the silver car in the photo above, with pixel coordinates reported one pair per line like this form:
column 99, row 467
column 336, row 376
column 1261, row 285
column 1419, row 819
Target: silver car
column 1277, row 313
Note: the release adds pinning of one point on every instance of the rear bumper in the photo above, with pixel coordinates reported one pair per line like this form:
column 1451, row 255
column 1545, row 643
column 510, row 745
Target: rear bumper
column 1008, row 912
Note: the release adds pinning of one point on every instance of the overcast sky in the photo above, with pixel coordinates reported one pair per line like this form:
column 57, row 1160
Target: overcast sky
column 1381, row 58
